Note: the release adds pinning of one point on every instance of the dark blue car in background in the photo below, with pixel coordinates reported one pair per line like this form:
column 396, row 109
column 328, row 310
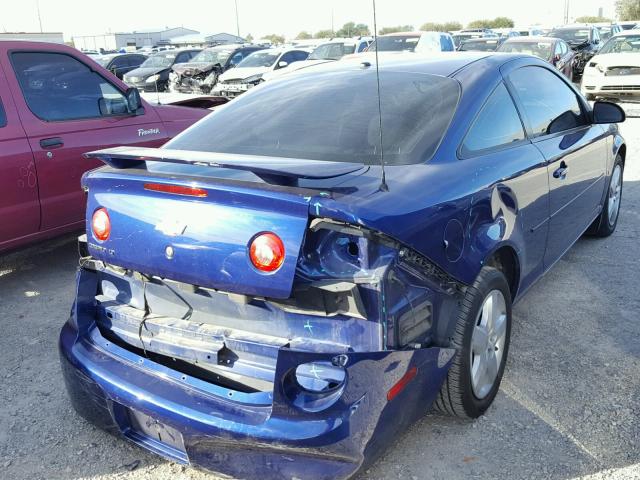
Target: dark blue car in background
column 262, row 298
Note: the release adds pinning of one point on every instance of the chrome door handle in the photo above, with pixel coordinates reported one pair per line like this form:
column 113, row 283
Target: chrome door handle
column 561, row 172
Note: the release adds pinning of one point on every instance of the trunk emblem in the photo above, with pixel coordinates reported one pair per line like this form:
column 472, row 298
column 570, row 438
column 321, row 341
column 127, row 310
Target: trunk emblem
column 169, row 252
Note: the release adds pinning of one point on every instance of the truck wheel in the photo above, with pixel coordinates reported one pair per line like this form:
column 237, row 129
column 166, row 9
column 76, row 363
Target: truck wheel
column 481, row 337
column 606, row 223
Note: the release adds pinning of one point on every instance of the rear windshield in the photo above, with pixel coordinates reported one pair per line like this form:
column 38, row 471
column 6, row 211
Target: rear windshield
column 537, row 49
column 332, row 115
column 395, row 43
column 572, row 35
column 479, row 46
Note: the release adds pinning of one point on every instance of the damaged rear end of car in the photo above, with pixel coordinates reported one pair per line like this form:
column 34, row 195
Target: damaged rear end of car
column 223, row 323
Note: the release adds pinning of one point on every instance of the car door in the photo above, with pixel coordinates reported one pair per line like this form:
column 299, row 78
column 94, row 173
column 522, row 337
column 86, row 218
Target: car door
column 576, row 153
column 496, row 142
column 19, row 204
column 567, row 58
column 67, row 109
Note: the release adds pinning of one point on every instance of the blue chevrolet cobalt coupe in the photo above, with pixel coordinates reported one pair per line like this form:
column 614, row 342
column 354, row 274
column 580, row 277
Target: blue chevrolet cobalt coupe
column 284, row 287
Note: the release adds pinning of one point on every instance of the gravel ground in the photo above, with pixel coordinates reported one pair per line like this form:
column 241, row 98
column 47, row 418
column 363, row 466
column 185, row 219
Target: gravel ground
column 569, row 407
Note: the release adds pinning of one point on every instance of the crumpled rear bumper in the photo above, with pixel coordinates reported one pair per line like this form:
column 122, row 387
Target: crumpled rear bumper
column 266, row 435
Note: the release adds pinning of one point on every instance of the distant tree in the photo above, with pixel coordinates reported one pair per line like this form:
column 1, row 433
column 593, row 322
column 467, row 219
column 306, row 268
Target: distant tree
column 304, row 36
column 628, row 9
column 502, row 22
column 399, row 28
column 498, row 22
column 324, row 34
column 248, row 37
column 441, row 27
column 350, row 29
column 592, row 19
column 479, row 24
column 275, row 39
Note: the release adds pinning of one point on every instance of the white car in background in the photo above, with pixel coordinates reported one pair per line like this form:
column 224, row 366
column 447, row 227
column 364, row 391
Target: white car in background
column 421, row 42
column 329, row 51
column 250, row 71
column 615, row 70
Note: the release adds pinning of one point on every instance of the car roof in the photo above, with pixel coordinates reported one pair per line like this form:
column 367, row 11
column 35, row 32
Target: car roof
column 535, row 39
column 434, row 63
column 402, row 34
column 574, row 26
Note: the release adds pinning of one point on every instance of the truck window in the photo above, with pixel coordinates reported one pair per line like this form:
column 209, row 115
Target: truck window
column 3, row 116
column 59, row 87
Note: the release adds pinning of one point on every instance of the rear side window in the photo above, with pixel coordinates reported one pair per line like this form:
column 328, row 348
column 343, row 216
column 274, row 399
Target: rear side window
column 59, row 87
column 549, row 104
column 497, row 125
column 275, row 119
column 3, row 116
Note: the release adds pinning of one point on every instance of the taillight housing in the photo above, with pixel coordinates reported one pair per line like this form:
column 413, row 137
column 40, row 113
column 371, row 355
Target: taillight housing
column 266, row 252
column 101, row 224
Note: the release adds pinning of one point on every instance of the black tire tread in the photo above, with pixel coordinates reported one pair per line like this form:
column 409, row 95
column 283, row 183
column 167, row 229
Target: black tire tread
column 449, row 399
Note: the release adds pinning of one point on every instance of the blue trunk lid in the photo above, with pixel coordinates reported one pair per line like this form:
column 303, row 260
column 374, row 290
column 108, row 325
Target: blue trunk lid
column 198, row 241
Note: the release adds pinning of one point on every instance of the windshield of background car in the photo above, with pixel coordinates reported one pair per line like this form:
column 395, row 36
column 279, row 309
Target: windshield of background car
column 537, row 49
column 212, row 56
column 479, row 45
column 605, row 32
column 332, row 51
column 395, row 43
column 259, row 59
column 103, row 61
column 572, row 35
column 333, row 116
column 164, row 59
column 624, row 44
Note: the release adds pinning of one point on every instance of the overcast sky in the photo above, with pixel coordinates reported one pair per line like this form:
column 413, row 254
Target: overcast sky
column 287, row 17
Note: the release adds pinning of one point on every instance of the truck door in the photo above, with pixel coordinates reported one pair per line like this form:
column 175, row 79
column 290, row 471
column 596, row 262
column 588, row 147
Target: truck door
column 68, row 107
column 19, row 205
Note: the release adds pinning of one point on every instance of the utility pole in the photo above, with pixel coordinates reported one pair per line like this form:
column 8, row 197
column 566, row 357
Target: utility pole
column 332, row 29
column 237, row 20
column 39, row 18
column 566, row 11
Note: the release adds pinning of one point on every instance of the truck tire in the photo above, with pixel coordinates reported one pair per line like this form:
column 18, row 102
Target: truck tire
column 481, row 338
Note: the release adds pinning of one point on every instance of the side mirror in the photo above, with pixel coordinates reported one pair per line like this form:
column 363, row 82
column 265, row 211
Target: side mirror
column 134, row 102
column 607, row 112
column 282, row 64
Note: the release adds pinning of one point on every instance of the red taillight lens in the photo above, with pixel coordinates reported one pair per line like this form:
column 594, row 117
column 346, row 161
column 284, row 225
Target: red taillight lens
column 101, row 224
column 267, row 252
column 176, row 189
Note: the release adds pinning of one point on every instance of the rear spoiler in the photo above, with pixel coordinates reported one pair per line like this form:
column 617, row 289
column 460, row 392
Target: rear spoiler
column 264, row 167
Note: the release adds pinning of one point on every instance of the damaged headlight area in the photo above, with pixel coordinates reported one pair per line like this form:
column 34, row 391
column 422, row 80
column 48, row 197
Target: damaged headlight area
column 194, row 80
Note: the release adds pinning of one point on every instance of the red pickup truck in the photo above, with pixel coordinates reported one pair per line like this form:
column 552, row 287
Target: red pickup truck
column 55, row 105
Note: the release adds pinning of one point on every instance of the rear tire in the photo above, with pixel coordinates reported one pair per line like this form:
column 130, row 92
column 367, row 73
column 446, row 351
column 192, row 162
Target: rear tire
column 607, row 221
column 481, row 337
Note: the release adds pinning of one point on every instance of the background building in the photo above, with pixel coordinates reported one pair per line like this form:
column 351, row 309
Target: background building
column 135, row 39
column 53, row 37
column 220, row 38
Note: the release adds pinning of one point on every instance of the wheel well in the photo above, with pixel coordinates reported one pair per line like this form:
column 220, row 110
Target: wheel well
column 622, row 151
column 506, row 260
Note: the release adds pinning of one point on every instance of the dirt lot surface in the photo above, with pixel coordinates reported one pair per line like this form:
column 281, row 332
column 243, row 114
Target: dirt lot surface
column 569, row 407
